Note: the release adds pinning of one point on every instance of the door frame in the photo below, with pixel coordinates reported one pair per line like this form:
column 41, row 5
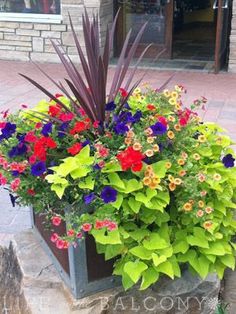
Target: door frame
column 220, row 55
column 120, row 29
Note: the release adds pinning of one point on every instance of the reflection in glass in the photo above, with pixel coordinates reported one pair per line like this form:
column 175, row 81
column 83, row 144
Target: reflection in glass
column 138, row 12
column 30, row 6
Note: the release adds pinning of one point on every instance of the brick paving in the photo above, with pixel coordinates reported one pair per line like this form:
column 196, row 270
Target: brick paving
column 15, row 90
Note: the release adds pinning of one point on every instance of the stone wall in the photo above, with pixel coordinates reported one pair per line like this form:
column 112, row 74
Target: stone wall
column 232, row 54
column 25, row 41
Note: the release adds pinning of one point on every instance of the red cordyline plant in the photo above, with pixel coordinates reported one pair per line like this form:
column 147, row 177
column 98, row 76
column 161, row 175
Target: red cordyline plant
column 89, row 91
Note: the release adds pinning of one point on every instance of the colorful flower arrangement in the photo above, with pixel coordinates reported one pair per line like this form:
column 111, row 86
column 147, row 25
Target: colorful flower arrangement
column 141, row 173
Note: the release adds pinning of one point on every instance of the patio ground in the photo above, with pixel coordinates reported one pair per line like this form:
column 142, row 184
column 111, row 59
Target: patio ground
column 220, row 90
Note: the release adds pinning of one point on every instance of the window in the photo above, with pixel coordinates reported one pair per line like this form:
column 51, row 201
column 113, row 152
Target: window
column 30, row 6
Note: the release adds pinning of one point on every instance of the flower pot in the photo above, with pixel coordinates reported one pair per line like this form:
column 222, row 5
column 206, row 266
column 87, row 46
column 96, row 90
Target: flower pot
column 82, row 269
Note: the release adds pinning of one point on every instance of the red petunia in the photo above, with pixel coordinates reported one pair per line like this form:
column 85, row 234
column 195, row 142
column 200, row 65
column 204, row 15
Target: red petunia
column 54, row 111
column 75, row 149
column 123, row 92
column 86, row 227
column 54, row 237
column 38, row 125
column 2, row 125
column 151, row 107
column 163, row 120
column 131, row 159
column 30, row 137
column 31, row 192
column 79, row 127
column 65, row 117
column 56, row 220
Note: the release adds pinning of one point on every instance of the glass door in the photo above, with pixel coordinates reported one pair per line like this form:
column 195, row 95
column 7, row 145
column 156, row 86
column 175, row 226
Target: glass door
column 159, row 16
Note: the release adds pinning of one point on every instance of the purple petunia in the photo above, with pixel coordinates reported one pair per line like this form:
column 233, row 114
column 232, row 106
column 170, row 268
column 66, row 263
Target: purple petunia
column 158, row 128
column 38, row 169
column 62, row 128
column 228, row 161
column 89, row 198
column 121, row 128
column 137, row 116
column 108, row 194
column 110, row 106
column 47, row 128
column 8, row 130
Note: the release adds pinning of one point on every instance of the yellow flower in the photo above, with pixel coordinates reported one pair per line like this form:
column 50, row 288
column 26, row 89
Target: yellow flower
column 202, row 138
column 137, row 146
column 191, row 202
column 149, row 153
column 137, row 90
column 219, row 140
column 207, row 224
column 171, row 178
column 177, row 106
column 196, row 156
column 168, row 165
column 172, row 101
column 200, row 213
column 208, row 210
column 201, row 204
column 166, row 93
column 156, row 180
column 146, row 181
column 174, row 94
column 181, row 162
column 217, row 177
column 178, row 181
column 153, row 186
column 171, row 119
column 150, row 139
column 187, row 207
column 172, row 186
column 156, row 148
column 182, row 173
column 177, row 127
column 149, row 168
column 170, row 134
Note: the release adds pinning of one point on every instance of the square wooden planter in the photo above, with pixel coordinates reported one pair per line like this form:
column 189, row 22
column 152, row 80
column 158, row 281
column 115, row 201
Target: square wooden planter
column 82, row 269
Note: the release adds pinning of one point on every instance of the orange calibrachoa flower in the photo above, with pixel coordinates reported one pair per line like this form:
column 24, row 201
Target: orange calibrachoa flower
column 171, row 135
column 137, row 146
column 156, row 148
column 201, row 204
column 202, row 138
column 128, row 141
column 184, row 155
column 208, row 210
column 201, row 177
column 207, row 224
column 217, row 177
column 168, row 165
column 149, row 153
column 200, row 213
column 150, row 139
column 171, row 118
column 187, row 207
column 182, row 173
column 178, row 181
column 196, row 156
column 147, row 181
column 172, row 186
column 181, row 162
column 177, row 127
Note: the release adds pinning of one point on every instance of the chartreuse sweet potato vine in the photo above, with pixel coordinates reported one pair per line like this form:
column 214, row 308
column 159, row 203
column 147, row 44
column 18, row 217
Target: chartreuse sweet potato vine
column 156, row 189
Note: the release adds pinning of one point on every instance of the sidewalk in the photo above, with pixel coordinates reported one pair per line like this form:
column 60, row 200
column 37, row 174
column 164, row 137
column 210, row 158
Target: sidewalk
column 220, row 90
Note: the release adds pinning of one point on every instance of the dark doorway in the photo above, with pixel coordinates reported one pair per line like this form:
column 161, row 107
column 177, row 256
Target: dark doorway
column 194, row 33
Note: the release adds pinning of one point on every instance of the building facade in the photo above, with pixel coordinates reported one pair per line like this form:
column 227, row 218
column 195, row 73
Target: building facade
column 196, row 30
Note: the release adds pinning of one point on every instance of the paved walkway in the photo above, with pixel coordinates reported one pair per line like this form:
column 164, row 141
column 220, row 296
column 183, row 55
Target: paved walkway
column 219, row 89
